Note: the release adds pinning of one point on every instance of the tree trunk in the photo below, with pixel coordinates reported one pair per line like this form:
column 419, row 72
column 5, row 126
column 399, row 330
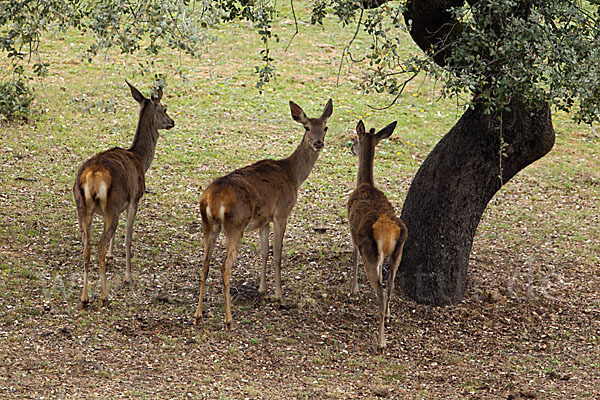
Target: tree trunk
column 452, row 189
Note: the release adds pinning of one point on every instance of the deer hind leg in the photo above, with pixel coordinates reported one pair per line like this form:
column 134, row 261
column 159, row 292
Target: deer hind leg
column 211, row 233
column 371, row 269
column 85, row 223
column 109, row 256
column 234, row 241
column 390, row 288
column 354, row 284
column 110, row 225
column 394, row 264
column 279, row 226
column 264, row 250
column 131, row 212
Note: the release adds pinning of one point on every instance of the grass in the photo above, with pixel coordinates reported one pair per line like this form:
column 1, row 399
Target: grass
column 539, row 232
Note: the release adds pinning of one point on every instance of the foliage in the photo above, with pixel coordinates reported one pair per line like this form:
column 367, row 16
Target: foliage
column 15, row 99
column 545, row 51
column 130, row 25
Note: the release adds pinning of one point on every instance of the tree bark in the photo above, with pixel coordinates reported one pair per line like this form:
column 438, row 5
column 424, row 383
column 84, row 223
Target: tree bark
column 457, row 180
column 455, row 183
column 452, row 189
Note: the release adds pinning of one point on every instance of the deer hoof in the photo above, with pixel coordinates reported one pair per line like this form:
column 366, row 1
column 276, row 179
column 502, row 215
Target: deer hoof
column 229, row 326
column 83, row 304
column 289, row 306
column 105, row 303
column 108, row 261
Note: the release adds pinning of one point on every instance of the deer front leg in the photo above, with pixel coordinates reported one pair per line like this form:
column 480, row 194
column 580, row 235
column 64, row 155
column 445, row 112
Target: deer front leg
column 278, row 231
column 211, row 233
column 354, row 284
column 110, row 225
column 264, row 250
column 131, row 212
column 109, row 256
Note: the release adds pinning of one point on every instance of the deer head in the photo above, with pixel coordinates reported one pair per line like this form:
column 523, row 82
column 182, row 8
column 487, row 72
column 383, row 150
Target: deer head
column 364, row 139
column 315, row 127
column 160, row 118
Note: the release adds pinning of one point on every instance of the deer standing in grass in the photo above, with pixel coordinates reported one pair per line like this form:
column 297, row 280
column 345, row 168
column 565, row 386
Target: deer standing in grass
column 376, row 231
column 252, row 197
column 113, row 181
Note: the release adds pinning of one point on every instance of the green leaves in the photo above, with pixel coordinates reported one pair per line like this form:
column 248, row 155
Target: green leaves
column 15, row 99
column 546, row 52
column 130, row 25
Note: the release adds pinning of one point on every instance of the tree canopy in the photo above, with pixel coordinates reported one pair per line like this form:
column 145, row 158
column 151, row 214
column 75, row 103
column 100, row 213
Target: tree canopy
column 512, row 61
column 545, row 50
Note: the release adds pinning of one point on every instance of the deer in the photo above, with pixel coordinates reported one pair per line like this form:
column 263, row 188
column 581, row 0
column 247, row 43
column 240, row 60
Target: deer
column 253, row 197
column 376, row 231
column 113, row 181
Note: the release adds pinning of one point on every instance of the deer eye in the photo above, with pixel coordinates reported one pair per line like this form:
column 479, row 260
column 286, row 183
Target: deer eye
column 306, row 128
column 326, row 129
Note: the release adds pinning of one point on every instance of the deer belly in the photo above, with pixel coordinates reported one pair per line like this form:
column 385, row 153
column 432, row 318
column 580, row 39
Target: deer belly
column 257, row 223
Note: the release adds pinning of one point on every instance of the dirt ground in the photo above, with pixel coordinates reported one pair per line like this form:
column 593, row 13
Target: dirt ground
column 528, row 331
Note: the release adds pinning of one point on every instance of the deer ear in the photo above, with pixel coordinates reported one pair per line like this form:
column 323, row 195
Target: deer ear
column 159, row 94
column 385, row 132
column 135, row 93
column 360, row 128
column 327, row 111
column 297, row 113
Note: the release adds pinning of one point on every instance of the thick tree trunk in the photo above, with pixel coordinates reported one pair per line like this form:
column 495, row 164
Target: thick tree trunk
column 452, row 189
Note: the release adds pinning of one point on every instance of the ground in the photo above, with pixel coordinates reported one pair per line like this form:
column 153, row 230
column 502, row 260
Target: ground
column 529, row 326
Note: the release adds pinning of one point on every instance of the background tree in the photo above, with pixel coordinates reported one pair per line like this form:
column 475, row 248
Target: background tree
column 131, row 26
column 514, row 60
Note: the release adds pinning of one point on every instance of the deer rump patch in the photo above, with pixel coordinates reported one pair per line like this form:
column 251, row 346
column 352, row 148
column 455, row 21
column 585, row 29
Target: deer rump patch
column 386, row 234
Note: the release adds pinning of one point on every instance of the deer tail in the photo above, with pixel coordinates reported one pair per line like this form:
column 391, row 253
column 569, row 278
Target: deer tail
column 386, row 234
column 94, row 184
column 216, row 202
column 390, row 237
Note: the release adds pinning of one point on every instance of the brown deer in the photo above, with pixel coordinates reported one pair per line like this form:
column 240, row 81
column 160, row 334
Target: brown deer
column 251, row 197
column 113, row 181
column 376, row 231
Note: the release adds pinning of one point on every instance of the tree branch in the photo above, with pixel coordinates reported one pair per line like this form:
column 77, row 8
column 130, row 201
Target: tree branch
column 431, row 24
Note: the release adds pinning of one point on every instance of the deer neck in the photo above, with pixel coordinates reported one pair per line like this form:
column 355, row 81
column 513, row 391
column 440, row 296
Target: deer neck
column 365, row 166
column 146, row 135
column 301, row 162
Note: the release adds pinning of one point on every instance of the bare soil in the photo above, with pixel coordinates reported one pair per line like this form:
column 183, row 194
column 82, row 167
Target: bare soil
column 528, row 328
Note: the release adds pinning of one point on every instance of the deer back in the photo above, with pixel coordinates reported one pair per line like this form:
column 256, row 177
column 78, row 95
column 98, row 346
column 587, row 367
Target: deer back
column 250, row 195
column 111, row 178
column 373, row 222
column 255, row 195
column 371, row 216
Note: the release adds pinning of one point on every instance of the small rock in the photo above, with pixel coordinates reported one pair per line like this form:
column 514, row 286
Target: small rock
column 381, row 390
column 490, row 295
column 527, row 394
